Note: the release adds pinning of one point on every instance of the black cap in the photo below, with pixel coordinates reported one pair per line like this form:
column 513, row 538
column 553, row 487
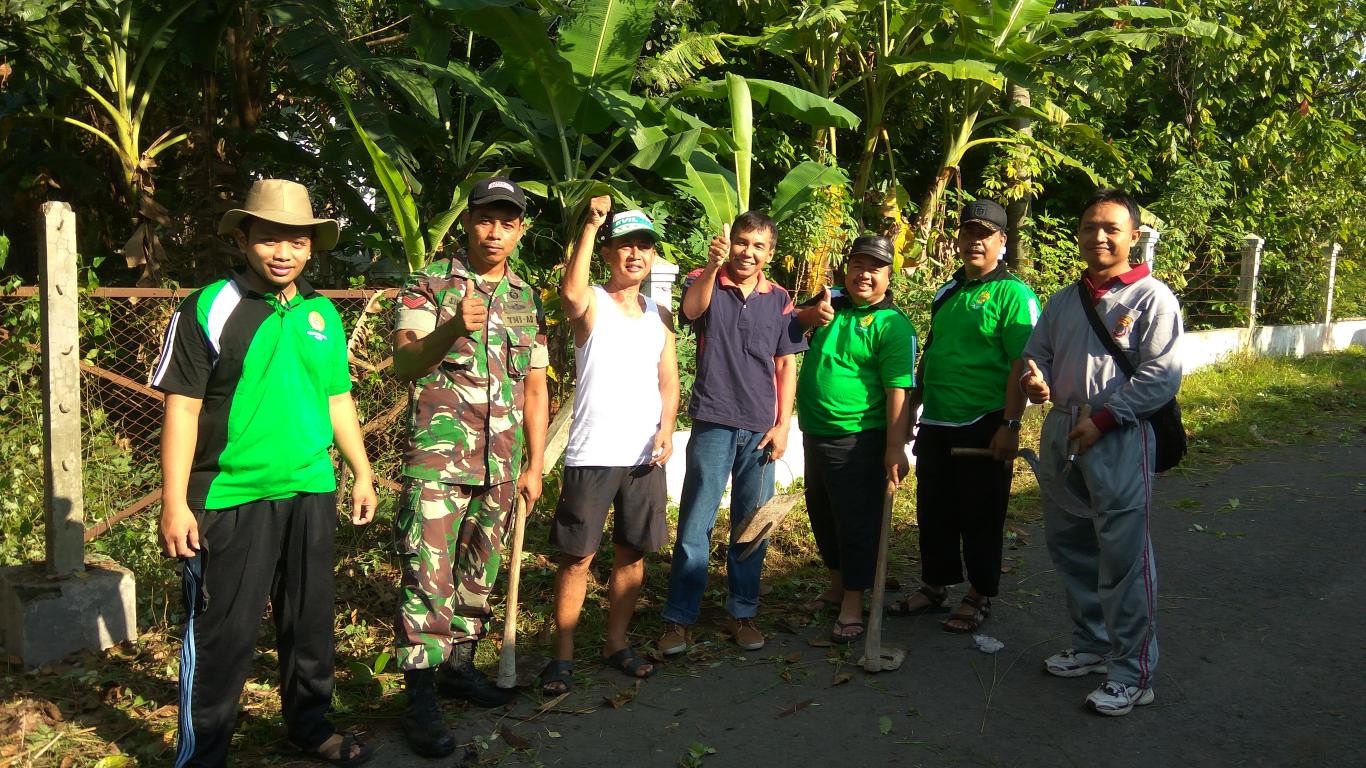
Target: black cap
column 987, row 212
column 498, row 189
column 877, row 246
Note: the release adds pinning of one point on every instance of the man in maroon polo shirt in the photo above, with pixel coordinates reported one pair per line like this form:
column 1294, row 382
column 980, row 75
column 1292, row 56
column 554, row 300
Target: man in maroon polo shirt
column 741, row 407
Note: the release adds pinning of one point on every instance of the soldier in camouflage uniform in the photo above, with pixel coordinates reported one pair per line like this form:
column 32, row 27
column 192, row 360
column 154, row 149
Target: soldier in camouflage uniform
column 470, row 339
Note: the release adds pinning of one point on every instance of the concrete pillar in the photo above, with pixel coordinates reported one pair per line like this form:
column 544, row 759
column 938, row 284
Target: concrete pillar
column 1330, row 254
column 1147, row 245
column 63, row 605
column 661, row 280
column 1247, row 277
column 64, row 511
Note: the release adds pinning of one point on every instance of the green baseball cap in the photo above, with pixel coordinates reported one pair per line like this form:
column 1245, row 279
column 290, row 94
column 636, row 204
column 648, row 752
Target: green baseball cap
column 629, row 222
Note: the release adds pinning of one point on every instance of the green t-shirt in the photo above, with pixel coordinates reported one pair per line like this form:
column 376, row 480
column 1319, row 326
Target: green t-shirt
column 265, row 371
column 851, row 363
column 975, row 336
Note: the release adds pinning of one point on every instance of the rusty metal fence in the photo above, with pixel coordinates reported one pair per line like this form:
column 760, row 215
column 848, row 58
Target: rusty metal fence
column 121, row 337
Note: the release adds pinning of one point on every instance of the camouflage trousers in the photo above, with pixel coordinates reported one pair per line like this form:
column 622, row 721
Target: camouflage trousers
column 450, row 541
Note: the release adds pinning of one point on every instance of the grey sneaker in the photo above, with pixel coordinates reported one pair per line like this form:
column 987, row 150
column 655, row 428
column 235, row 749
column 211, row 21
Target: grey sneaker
column 746, row 634
column 674, row 640
column 1116, row 699
column 1072, row 663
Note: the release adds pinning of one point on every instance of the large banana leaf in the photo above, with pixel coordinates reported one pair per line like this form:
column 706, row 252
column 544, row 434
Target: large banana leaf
column 530, row 61
column 602, row 41
column 400, row 198
column 711, row 184
column 679, row 146
column 800, row 184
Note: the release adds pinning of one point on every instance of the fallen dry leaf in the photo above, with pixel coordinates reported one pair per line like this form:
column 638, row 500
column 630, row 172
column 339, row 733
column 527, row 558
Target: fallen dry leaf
column 513, row 739
column 795, row 708
column 793, row 658
column 841, row 678
column 819, row 642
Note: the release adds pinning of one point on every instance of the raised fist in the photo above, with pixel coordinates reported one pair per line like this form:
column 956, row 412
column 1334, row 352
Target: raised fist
column 598, row 208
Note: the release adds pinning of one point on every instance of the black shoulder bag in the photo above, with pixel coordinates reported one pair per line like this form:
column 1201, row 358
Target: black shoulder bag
column 1167, row 426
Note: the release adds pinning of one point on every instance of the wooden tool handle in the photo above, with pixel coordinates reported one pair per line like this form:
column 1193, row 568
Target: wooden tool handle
column 872, row 643
column 507, row 660
column 971, row 453
column 1073, row 446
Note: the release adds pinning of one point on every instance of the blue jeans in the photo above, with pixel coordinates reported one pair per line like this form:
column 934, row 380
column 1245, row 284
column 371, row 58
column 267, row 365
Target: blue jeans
column 718, row 453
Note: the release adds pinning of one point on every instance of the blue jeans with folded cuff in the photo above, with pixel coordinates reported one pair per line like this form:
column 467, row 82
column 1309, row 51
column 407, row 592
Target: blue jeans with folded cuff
column 717, row 453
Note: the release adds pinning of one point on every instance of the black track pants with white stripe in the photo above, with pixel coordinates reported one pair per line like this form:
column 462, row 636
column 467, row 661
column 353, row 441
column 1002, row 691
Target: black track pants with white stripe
column 279, row 550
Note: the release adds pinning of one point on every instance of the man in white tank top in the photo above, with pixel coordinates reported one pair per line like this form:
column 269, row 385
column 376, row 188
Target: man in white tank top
column 622, row 434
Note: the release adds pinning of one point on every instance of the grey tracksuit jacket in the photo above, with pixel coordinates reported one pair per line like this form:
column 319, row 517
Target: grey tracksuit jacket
column 1145, row 321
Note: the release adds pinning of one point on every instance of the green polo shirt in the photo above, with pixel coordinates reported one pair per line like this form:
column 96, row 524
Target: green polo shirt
column 265, row 371
column 976, row 333
column 851, row 363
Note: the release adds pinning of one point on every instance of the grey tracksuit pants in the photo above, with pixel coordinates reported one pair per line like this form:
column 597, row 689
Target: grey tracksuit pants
column 1096, row 523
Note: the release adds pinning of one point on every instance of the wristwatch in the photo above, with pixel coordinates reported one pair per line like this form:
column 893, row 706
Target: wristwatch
column 1011, row 424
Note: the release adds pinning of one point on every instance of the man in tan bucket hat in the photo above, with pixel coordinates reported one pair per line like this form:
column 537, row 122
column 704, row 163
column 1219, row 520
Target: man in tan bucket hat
column 258, row 390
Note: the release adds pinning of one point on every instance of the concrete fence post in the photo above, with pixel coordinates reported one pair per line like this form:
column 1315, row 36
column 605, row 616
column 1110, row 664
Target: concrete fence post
column 51, row 609
column 662, row 278
column 1147, row 245
column 1247, row 276
column 1330, row 253
column 65, row 511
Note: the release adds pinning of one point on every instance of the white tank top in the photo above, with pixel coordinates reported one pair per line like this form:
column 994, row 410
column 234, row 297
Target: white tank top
column 617, row 401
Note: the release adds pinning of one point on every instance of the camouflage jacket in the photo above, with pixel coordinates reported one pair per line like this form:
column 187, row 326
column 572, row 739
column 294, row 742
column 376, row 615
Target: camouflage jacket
column 465, row 416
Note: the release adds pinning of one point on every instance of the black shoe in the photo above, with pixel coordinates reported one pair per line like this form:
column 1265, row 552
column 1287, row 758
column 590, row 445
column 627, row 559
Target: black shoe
column 460, row 680
column 423, row 725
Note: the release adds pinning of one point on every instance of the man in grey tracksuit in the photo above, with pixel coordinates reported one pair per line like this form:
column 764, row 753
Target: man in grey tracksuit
column 1096, row 510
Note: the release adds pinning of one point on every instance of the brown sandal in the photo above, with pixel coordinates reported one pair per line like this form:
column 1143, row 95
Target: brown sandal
column 969, row 622
column 902, row 606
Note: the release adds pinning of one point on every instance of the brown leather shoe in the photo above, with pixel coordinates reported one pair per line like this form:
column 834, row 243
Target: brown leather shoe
column 674, row 640
column 746, row 634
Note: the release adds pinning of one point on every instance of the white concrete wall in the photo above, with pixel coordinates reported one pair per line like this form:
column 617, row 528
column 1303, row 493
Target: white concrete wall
column 1198, row 349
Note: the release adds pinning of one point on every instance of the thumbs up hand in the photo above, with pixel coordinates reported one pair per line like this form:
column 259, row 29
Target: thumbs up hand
column 825, row 311
column 1034, row 385
column 473, row 311
column 718, row 253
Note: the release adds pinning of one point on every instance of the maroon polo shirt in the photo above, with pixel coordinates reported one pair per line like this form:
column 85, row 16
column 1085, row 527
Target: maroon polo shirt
column 737, row 340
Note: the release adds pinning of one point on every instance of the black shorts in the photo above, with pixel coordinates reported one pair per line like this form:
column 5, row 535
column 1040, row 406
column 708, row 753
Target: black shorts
column 638, row 495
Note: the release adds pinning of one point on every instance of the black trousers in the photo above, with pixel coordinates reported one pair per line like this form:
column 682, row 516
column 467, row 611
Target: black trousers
column 960, row 500
column 281, row 550
column 845, row 483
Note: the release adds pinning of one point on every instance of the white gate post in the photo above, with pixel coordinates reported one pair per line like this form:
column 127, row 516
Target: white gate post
column 1147, row 245
column 1247, row 277
column 661, row 280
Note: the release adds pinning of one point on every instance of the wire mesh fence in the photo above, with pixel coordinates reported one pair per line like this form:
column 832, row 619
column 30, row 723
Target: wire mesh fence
column 122, row 331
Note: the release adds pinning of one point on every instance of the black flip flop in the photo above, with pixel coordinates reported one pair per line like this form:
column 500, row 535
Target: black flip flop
column 628, row 662
column 557, row 671
column 843, row 639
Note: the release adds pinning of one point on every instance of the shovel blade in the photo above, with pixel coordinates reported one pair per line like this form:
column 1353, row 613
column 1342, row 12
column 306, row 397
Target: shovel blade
column 886, row 660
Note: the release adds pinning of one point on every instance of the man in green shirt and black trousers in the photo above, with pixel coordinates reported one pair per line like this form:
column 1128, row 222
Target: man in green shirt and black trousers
column 979, row 324
column 852, row 397
column 258, row 390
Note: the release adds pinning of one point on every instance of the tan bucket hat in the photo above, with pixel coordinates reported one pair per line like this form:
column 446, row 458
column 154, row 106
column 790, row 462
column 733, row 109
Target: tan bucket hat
column 283, row 202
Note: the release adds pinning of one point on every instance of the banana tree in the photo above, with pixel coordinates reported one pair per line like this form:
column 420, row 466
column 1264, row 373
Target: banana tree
column 132, row 62
column 1025, row 43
